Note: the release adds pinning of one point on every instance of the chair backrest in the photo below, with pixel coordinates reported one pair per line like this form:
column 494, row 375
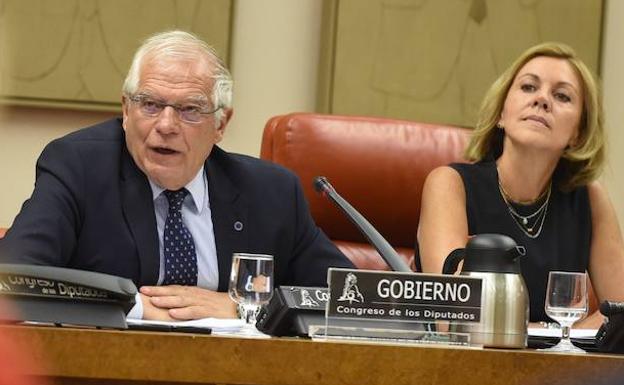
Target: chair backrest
column 379, row 165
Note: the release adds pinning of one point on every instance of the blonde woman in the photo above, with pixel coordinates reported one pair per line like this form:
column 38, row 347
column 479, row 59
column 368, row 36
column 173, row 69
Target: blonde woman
column 537, row 151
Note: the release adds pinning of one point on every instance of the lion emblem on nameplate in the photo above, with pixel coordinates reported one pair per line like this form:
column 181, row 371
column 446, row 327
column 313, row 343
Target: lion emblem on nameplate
column 307, row 300
column 350, row 291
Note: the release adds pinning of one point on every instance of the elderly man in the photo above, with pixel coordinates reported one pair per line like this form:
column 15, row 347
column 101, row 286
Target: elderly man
column 151, row 198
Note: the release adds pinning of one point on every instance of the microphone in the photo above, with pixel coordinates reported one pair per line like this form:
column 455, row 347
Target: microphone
column 396, row 263
column 609, row 308
column 610, row 336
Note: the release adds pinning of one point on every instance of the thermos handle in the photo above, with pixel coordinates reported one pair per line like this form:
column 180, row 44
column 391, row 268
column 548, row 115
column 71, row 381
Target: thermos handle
column 515, row 252
column 452, row 261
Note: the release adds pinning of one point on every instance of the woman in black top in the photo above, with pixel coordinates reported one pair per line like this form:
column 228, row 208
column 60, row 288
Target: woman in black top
column 537, row 149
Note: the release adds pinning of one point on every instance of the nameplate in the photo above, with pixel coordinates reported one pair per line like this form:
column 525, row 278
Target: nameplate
column 24, row 285
column 382, row 295
column 303, row 297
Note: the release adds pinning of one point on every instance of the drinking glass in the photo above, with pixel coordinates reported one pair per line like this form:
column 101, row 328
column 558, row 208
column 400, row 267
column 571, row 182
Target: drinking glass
column 251, row 286
column 566, row 303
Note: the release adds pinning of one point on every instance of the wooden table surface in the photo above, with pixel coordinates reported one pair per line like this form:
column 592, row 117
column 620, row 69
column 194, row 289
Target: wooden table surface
column 86, row 356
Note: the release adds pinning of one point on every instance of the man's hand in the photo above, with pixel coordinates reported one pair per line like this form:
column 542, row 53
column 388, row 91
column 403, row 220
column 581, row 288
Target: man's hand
column 186, row 303
column 151, row 312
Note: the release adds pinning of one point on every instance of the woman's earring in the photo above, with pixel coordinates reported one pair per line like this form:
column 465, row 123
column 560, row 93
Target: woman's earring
column 500, row 126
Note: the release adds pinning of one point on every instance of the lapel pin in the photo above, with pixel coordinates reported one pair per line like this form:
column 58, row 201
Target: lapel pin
column 238, row 226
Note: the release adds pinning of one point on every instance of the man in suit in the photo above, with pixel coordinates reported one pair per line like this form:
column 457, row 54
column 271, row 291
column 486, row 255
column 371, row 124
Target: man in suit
column 151, row 198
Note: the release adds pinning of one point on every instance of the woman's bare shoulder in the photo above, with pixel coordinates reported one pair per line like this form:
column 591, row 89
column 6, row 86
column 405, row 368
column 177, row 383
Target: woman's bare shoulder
column 444, row 177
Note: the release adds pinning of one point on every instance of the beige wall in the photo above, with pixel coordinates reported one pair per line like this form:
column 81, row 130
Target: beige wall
column 274, row 57
column 274, row 63
column 613, row 91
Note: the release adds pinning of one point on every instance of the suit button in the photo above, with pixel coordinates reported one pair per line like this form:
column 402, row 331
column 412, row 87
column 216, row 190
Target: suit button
column 238, row 226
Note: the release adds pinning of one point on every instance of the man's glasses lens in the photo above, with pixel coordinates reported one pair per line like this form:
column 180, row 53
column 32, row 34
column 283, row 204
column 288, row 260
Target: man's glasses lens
column 151, row 107
column 188, row 113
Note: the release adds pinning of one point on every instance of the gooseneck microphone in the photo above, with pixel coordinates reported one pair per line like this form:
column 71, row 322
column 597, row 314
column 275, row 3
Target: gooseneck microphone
column 396, row 263
column 609, row 308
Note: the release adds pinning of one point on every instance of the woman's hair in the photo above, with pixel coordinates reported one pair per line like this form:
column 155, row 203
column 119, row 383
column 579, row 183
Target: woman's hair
column 180, row 44
column 579, row 164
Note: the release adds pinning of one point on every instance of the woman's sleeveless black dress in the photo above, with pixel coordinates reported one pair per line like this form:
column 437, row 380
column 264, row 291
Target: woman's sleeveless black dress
column 565, row 238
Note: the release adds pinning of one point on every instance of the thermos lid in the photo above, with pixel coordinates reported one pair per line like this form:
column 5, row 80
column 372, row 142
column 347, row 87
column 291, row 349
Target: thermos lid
column 491, row 242
column 496, row 253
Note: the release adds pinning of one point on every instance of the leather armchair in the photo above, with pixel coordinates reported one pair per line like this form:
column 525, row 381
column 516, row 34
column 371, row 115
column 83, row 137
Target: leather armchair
column 379, row 165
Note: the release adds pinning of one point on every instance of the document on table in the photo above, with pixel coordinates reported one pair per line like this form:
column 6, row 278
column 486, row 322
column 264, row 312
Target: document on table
column 574, row 333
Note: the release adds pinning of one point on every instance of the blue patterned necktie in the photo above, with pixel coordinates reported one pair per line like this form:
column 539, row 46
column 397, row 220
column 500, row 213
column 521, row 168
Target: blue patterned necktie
column 180, row 256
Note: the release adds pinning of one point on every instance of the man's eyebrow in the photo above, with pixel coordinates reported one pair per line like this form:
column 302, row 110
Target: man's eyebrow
column 191, row 99
column 147, row 94
column 197, row 98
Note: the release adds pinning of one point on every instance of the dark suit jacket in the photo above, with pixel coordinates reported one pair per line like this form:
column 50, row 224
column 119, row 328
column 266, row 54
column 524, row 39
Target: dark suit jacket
column 92, row 209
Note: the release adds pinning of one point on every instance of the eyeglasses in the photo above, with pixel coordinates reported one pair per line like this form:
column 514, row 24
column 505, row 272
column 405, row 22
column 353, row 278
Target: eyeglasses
column 190, row 113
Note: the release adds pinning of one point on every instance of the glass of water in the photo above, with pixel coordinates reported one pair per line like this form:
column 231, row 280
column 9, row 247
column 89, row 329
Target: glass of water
column 566, row 303
column 251, row 285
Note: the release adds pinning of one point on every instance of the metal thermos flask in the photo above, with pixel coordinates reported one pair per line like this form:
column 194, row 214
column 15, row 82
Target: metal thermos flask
column 505, row 306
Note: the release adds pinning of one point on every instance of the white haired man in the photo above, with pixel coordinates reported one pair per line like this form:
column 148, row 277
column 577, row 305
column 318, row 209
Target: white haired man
column 151, row 198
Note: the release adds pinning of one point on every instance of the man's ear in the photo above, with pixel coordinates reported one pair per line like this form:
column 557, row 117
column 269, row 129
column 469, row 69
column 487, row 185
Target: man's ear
column 223, row 122
column 225, row 117
column 124, row 110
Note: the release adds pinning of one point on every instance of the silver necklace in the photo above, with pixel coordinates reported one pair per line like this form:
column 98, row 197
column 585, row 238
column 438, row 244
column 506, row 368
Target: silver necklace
column 532, row 224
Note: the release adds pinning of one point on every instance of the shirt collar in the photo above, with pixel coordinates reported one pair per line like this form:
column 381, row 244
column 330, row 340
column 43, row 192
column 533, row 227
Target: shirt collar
column 196, row 187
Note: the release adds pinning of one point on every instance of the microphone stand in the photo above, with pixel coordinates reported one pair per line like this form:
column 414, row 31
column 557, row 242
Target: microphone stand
column 396, row 263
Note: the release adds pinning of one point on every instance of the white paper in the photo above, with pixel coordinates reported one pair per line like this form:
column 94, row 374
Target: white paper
column 574, row 333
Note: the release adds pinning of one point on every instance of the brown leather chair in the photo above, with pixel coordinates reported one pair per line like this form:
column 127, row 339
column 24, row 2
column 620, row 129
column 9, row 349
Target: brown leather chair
column 378, row 165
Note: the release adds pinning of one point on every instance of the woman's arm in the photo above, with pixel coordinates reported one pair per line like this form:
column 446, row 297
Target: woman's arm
column 606, row 258
column 443, row 226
